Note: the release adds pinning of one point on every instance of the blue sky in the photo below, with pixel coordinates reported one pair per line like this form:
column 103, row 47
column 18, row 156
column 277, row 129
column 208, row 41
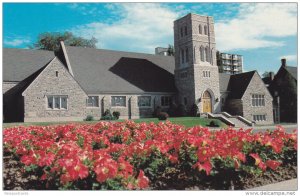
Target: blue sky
column 262, row 32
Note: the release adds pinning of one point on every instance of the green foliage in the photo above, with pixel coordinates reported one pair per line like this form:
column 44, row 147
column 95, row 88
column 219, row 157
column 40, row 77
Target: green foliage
column 116, row 114
column 171, row 50
column 157, row 111
column 162, row 116
column 107, row 116
column 51, row 41
column 89, row 118
column 194, row 110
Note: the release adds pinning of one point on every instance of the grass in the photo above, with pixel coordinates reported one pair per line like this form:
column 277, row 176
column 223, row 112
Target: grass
column 185, row 121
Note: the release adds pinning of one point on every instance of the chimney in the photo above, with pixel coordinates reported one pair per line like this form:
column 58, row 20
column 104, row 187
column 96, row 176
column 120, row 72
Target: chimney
column 283, row 62
column 271, row 75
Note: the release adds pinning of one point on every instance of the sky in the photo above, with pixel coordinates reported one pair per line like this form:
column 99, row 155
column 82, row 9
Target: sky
column 262, row 32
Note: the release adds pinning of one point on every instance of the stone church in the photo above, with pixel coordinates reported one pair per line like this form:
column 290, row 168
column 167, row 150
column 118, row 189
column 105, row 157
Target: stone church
column 75, row 82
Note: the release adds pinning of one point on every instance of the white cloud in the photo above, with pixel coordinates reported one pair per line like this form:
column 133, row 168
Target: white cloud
column 143, row 27
column 289, row 58
column 256, row 26
column 16, row 41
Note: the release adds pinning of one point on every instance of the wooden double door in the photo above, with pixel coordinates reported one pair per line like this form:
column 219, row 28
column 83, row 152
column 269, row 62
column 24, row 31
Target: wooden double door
column 206, row 102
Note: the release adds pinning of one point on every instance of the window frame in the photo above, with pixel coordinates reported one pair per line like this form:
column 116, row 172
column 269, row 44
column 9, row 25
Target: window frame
column 259, row 117
column 113, row 103
column 144, row 106
column 93, row 106
column 54, row 99
column 165, row 99
column 258, row 100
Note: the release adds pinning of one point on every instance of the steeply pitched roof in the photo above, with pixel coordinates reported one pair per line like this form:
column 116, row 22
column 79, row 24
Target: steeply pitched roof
column 19, row 64
column 238, row 84
column 224, row 81
column 98, row 70
column 292, row 71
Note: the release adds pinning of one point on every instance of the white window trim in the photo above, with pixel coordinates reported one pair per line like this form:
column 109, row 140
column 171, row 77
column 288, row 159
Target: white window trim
column 92, row 106
column 53, row 101
column 144, row 106
column 118, row 106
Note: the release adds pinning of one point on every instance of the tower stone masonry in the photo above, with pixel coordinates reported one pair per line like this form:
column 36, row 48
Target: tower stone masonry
column 196, row 71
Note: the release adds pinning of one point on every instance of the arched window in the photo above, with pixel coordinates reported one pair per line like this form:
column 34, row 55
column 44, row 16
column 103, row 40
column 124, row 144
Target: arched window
column 187, row 55
column 205, row 30
column 182, row 56
column 207, row 54
column 200, row 29
column 202, row 53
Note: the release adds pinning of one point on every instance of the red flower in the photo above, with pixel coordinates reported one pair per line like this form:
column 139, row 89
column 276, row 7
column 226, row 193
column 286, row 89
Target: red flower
column 206, row 166
column 256, row 157
column 143, row 181
column 273, row 164
column 262, row 166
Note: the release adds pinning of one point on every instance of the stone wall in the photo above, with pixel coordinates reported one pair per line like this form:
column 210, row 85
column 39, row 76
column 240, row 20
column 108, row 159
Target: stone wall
column 131, row 110
column 47, row 84
column 257, row 86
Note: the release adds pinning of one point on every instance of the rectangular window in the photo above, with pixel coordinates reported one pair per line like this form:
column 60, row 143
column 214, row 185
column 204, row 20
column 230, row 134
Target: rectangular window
column 57, row 102
column 258, row 100
column 185, row 30
column 182, row 56
column 206, row 74
column 144, row 101
column 118, row 101
column 93, row 101
column 259, row 117
column 166, row 101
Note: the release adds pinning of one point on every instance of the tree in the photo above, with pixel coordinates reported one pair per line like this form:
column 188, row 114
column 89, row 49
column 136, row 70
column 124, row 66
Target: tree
column 171, row 50
column 51, row 41
column 266, row 74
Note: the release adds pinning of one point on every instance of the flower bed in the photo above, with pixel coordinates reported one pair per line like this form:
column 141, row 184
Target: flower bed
column 128, row 155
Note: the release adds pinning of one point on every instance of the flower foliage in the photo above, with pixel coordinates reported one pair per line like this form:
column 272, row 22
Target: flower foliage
column 128, row 155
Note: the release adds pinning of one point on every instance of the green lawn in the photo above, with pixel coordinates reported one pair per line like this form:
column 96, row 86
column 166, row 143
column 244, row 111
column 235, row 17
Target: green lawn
column 186, row 121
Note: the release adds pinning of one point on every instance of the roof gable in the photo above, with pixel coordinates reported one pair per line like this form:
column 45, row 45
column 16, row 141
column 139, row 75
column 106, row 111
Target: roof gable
column 19, row 64
column 238, row 84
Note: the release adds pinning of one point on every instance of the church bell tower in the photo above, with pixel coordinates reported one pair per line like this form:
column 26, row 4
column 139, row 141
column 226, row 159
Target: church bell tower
column 196, row 70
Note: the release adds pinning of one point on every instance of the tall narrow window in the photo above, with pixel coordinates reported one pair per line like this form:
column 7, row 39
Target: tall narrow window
column 205, row 30
column 56, row 73
column 185, row 101
column 202, row 53
column 187, row 55
column 200, row 29
column 185, row 30
column 181, row 32
column 182, row 56
column 207, row 54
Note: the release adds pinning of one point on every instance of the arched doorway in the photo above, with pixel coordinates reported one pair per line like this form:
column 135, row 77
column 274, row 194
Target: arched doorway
column 206, row 100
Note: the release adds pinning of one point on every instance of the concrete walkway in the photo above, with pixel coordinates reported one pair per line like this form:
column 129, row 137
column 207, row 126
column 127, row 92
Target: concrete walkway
column 288, row 185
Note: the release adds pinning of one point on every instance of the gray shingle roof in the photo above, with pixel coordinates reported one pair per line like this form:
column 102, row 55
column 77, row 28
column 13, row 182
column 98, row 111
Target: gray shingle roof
column 19, row 64
column 292, row 71
column 224, row 82
column 98, row 70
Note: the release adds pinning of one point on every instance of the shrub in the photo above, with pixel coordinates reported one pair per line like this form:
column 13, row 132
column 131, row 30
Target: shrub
column 194, row 110
column 107, row 116
column 116, row 114
column 89, row 118
column 162, row 116
column 182, row 110
column 157, row 111
column 213, row 123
